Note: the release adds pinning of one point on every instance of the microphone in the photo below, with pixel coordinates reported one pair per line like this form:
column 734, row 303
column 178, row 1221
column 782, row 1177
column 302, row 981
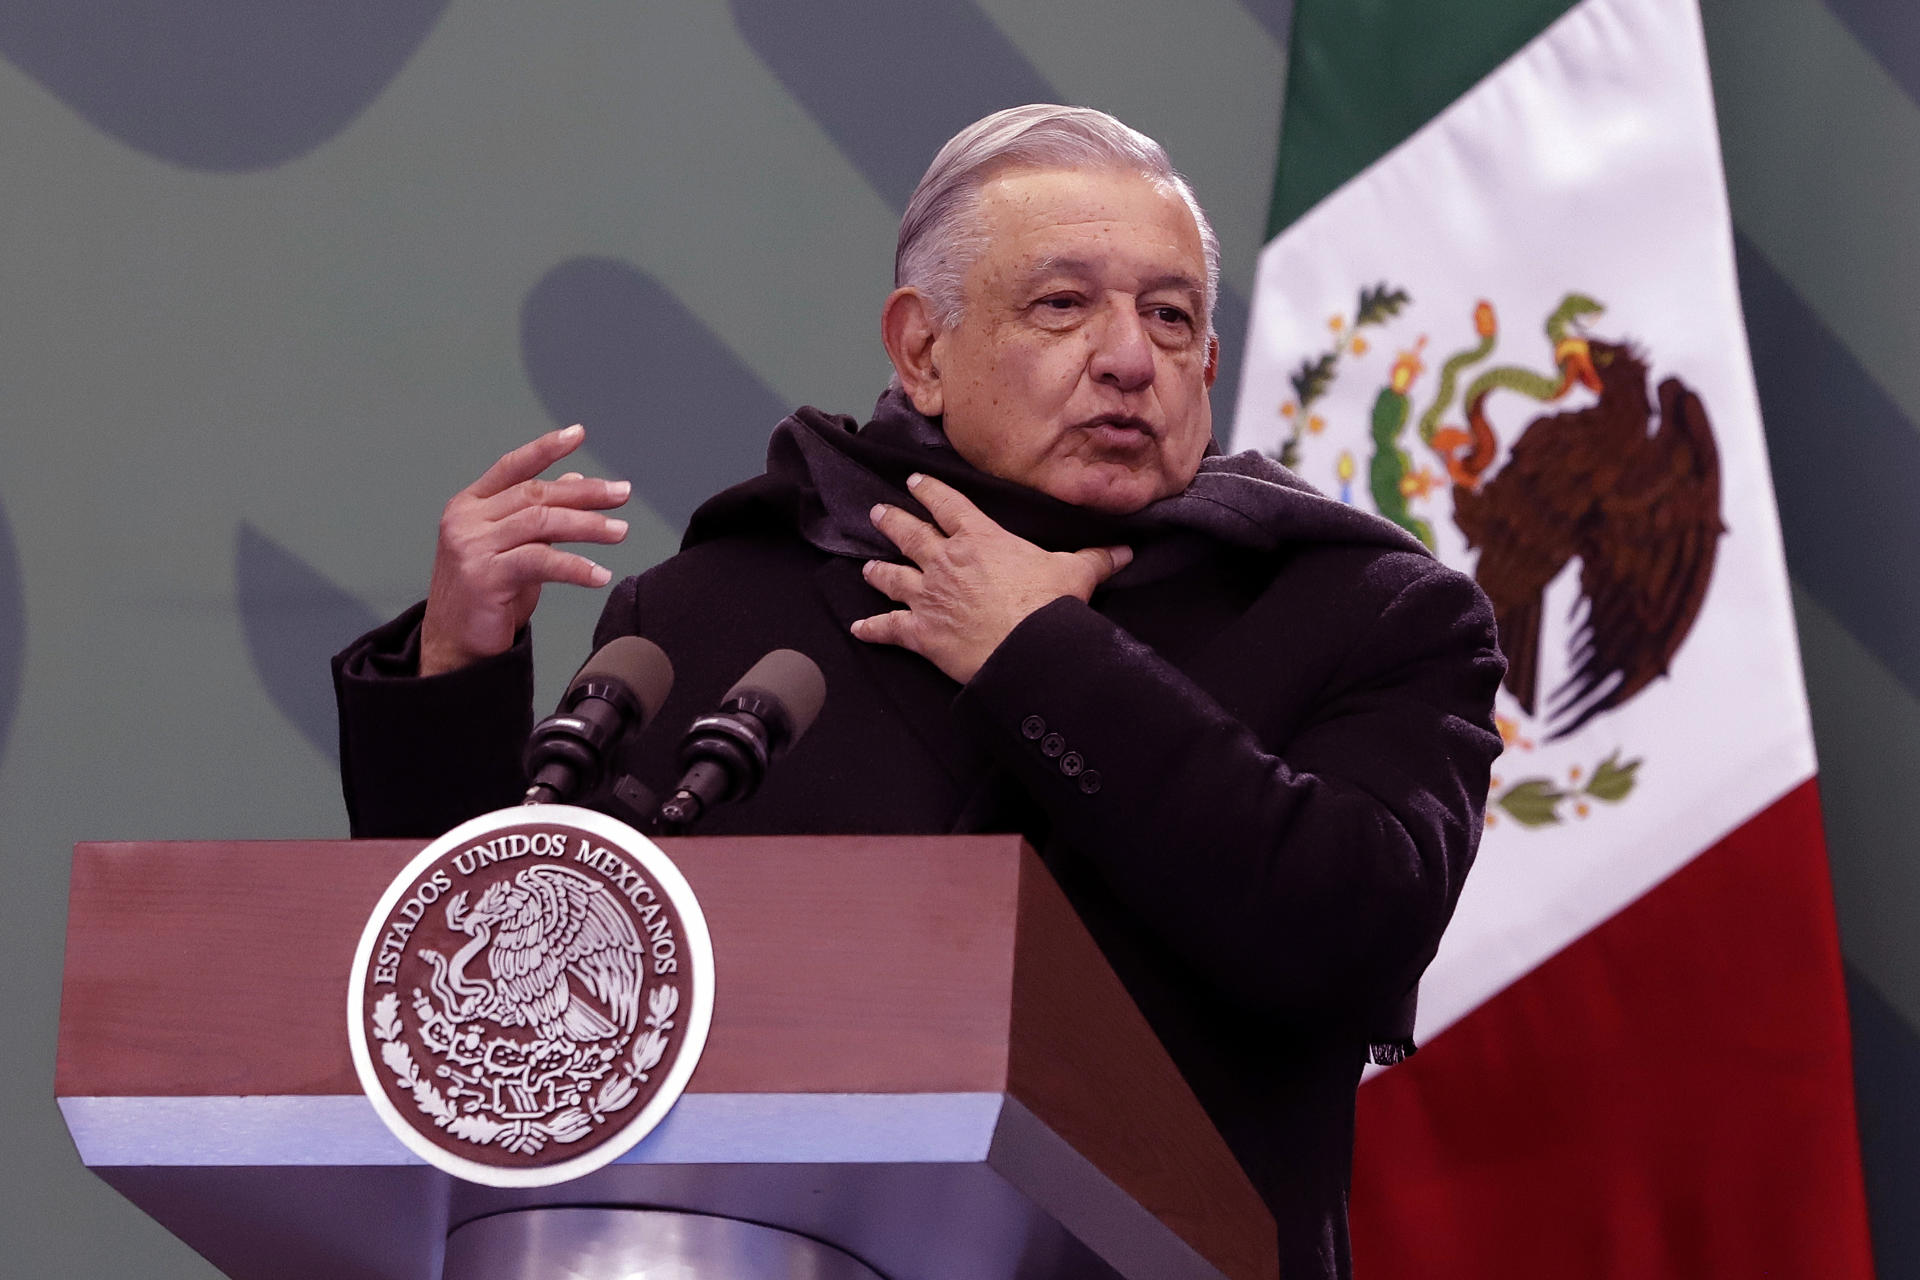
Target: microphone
column 724, row 755
column 619, row 687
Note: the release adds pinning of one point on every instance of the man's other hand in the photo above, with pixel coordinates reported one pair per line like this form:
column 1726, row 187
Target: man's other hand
column 496, row 550
column 971, row 582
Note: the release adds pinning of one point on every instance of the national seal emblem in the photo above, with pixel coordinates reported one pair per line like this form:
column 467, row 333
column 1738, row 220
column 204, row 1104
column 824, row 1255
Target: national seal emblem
column 531, row 995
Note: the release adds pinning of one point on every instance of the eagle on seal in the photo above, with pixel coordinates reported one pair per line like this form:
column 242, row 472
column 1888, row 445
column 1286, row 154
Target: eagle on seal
column 1637, row 503
column 557, row 937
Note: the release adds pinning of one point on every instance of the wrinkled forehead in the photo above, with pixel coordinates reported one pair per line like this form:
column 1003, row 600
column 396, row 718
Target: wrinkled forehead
column 1088, row 221
column 1052, row 191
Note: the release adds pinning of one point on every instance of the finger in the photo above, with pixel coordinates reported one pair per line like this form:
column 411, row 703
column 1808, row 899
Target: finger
column 528, row 461
column 537, row 562
column 896, row 628
column 555, row 524
column 582, row 494
column 1105, row 561
column 917, row 539
column 573, row 475
column 950, row 509
column 900, row 582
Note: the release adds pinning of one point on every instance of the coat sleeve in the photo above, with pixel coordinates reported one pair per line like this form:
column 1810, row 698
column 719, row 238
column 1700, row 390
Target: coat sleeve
column 419, row 755
column 1308, row 870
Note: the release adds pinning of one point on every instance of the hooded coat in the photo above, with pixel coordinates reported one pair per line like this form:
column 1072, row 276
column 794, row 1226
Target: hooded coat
column 1256, row 761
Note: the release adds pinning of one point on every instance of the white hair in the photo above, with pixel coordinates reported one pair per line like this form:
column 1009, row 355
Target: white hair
column 940, row 236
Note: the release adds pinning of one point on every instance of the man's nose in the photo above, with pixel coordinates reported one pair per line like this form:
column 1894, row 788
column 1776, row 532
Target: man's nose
column 1123, row 353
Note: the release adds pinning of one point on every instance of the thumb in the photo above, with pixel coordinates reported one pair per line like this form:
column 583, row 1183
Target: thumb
column 1105, row 561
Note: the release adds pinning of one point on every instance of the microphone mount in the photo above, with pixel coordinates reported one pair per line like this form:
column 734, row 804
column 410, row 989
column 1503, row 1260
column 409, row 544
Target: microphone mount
column 724, row 755
column 617, row 691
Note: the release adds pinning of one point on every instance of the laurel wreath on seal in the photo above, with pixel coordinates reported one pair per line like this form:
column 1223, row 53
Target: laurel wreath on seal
column 526, row 1137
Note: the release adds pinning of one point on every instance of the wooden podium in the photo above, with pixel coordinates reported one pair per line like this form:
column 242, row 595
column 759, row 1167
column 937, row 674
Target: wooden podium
column 918, row 1055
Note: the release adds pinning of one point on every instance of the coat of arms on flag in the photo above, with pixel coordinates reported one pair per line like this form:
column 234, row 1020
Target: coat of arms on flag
column 1576, row 459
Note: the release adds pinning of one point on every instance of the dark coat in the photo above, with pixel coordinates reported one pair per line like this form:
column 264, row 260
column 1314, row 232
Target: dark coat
column 1260, row 782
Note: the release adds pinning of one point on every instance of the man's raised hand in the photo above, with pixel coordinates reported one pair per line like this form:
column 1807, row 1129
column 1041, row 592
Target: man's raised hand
column 496, row 550
column 971, row 582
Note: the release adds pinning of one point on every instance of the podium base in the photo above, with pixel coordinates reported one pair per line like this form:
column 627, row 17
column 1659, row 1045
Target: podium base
column 616, row 1244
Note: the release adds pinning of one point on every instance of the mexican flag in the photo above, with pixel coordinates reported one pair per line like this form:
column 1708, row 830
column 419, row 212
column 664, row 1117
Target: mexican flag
column 1500, row 309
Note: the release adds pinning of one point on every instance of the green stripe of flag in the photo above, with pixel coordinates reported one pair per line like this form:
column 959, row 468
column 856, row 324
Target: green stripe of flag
column 1365, row 74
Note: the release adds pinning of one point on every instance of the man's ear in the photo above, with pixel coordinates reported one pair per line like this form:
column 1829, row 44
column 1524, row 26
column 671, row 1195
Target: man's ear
column 1213, row 362
column 910, row 332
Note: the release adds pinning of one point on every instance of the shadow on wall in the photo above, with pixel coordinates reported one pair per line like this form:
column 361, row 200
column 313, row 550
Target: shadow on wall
column 861, row 70
column 1886, row 1062
column 1885, row 30
column 667, row 404
column 218, row 85
column 13, row 631
column 295, row 619
column 1844, row 499
column 1275, row 15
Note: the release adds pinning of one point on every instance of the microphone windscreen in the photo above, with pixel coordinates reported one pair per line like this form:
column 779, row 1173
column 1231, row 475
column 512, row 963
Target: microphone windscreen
column 636, row 663
column 790, row 678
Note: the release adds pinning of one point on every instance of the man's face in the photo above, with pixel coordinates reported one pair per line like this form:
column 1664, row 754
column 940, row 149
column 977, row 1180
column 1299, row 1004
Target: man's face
column 1080, row 363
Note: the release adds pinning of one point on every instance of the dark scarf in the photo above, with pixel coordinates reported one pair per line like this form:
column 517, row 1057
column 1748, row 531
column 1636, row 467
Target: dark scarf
column 825, row 473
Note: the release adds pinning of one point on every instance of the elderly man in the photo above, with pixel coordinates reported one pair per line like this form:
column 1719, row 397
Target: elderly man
column 1249, row 728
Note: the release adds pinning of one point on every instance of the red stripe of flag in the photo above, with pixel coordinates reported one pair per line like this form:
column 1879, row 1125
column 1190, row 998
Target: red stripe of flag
column 1671, row 1095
